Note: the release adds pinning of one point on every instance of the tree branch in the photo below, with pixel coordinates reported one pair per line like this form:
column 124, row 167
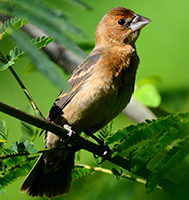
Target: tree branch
column 82, row 143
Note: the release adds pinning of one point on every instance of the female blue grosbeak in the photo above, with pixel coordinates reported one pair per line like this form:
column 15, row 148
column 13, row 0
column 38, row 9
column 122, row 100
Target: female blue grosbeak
column 101, row 87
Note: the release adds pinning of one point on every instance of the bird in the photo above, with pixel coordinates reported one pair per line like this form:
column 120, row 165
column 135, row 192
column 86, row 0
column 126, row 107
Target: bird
column 100, row 88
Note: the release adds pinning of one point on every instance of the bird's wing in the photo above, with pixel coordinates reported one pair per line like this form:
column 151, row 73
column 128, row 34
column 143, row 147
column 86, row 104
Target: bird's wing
column 75, row 82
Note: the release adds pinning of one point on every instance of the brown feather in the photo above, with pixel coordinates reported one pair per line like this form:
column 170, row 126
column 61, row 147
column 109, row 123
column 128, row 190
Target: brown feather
column 37, row 182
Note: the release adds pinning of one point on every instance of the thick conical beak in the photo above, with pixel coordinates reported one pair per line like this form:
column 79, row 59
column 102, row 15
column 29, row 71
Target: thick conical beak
column 139, row 22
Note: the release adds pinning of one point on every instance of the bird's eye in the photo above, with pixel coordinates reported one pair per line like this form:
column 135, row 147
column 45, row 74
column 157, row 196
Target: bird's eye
column 121, row 22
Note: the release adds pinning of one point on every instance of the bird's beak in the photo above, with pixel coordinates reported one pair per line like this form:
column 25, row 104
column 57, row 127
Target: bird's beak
column 139, row 22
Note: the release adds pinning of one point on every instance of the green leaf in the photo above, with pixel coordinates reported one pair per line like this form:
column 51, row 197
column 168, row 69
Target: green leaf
column 13, row 165
column 12, row 22
column 15, row 168
column 150, row 138
column 160, row 145
column 4, row 149
column 167, row 163
column 105, row 131
column 42, row 41
column 152, row 147
column 30, row 147
column 28, row 132
column 3, row 130
column 152, row 79
column 117, row 173
column 6, row 66
column 146, row 91
column 121, row 134
column 80, row 172
column 25, row 147
column 148, row 94
column 3, row 137
column 16, row 54
column 132, row 135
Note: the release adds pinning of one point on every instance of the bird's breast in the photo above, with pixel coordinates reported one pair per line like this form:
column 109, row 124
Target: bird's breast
column 99, row 100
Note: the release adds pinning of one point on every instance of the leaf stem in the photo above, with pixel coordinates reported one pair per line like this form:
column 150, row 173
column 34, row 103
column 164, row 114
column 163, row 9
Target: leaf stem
column 108, row 171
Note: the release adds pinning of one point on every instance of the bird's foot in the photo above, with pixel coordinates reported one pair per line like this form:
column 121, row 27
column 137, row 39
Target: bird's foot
column 71, row 133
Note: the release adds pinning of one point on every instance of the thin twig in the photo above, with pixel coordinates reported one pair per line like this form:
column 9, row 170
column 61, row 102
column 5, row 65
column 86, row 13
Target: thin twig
column 33, row 104
column 108, row 171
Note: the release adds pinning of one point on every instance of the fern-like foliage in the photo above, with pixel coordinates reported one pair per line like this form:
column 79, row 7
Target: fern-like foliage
column 4, row 149
column 80, row 172
column 3, row 132
column 29, row 132
column 17, row 53
column 14, row 168
column 3, row 136
column 105, row 131
column 11, row 23
column 43, row 41
column 166, row 138
column 40, row 42
column 12, row 164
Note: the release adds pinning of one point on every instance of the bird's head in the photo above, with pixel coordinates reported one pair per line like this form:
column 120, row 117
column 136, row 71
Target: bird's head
column 120, row 26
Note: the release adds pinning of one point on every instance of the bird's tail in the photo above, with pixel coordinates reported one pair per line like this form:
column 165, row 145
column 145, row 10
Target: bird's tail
column 51, row 183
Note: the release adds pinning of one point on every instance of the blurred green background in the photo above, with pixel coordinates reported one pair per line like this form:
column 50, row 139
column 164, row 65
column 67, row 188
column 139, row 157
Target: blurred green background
column 163, row 50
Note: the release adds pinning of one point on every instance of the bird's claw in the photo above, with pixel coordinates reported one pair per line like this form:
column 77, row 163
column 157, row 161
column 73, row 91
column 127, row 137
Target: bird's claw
column 70, row 133
column 70, row 137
